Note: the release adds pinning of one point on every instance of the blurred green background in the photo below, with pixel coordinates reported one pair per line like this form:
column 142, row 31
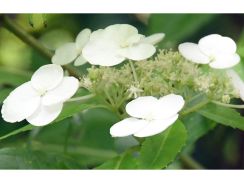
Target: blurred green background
column 83, row 141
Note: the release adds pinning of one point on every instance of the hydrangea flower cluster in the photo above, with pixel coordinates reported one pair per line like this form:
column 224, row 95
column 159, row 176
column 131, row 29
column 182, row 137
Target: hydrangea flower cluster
column 167, row 73
column 148, row 92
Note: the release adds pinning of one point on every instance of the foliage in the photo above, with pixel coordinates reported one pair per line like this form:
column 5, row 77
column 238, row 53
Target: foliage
column 79, row 138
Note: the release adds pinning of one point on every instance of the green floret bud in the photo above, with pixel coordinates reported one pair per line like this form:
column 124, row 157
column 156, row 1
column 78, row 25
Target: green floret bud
column 167, row 73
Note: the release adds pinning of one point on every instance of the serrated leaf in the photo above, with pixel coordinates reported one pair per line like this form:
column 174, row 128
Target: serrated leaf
column 223, row 115
column 177, row 26
column 69, row 110
column 17, row 131
column 22, row 158
column 160, row 150
column 197, row 126
column 124, row 161
column 195, row 103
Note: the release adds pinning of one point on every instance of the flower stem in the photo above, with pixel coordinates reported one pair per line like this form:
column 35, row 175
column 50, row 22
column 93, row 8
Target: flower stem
column 228, row 105
column 190, row 163
column 134, row 72
column 19, row 32
column 86, row 97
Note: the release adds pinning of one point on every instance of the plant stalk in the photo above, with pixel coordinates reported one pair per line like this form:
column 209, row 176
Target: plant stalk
column 228, row 105
column 19, row 32
column 190, row 163
column 86, row 97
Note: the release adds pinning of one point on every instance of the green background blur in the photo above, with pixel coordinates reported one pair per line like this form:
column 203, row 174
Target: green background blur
column 87, row 133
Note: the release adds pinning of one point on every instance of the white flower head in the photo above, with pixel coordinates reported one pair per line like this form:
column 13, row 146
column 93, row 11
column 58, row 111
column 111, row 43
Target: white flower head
column 216, row 50
column 149, row 116
column 40, row 100
column 114, row 44
column 237, row 82
column 70, row 52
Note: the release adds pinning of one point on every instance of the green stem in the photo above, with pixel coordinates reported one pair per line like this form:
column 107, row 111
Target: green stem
column 190, row 163
column 134, row 72
column 194, row 108
column 228, row 105
column 19, row 32
column 86, row 97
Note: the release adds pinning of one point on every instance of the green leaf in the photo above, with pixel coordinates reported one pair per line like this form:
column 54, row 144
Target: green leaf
column 197, row 126
column 223, row 115
column 85, row 136
column 72, row 108
column 125, row 161
column 177, row 26
column 13, row 77
column 22, row 158
column 160, row 150
column 69, row 110
column 17, row 131
column 195, row 103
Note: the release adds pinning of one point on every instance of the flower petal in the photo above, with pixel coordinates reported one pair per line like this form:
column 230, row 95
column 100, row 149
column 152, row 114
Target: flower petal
column 154, row 39
column 134, row 39
column 214, row 44
column 80, row 61
column 141, row 107
column 119, row 32
column 62, row 92
column 21, row 103
column 156, row 126
column 65, row 54
column 138, row 52
column 82, row 38
column 102, row 52
column 237, row 82
column 45, row 115
column 224, row 61
column 127, row 127
column 192, row 52
column 47, row 77
column 168, row 106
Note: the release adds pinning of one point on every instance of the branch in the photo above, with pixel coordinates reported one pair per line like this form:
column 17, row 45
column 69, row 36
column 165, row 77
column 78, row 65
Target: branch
column 190, row 163
column 31, row 41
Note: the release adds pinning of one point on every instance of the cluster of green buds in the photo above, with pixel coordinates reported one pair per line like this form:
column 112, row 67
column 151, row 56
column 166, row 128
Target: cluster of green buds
column 168, row 72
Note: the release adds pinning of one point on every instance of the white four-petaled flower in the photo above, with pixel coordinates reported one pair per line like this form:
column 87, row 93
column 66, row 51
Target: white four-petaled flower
column 216, row 50
column 40, row 100
column 70, row 52
column 114, row 44
column 237, row 82
column 149, row 116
